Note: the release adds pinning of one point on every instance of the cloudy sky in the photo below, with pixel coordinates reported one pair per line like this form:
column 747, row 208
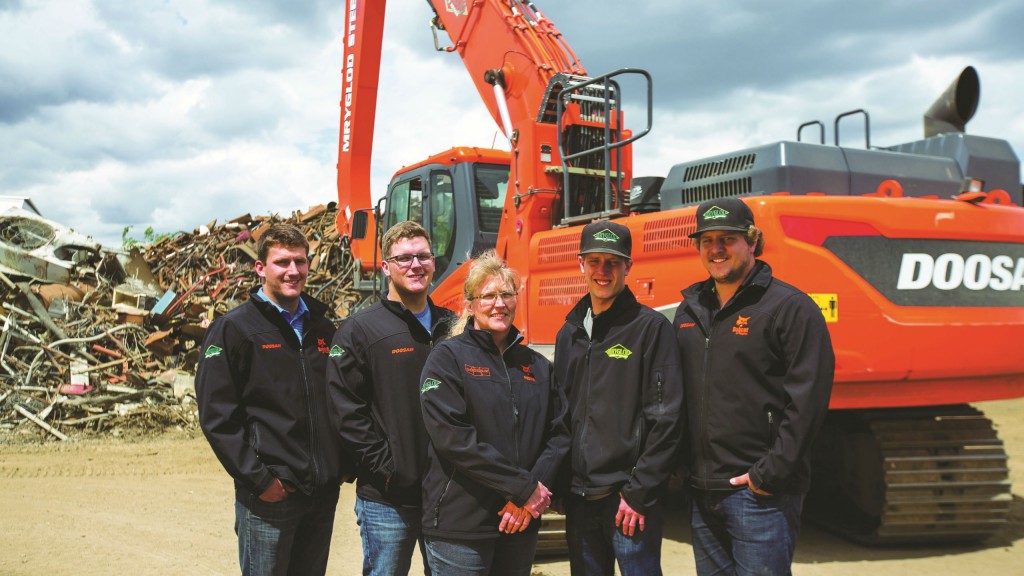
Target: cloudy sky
column 172, row 113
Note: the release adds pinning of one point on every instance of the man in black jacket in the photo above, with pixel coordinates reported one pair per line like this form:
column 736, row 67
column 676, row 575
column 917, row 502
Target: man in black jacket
column 758, row 367
column 373, row 377
column 262, row 406
column 619, row 366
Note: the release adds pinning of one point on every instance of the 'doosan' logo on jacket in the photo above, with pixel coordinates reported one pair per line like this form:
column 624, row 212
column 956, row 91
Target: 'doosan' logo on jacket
column 742, row 327
column 618, row 352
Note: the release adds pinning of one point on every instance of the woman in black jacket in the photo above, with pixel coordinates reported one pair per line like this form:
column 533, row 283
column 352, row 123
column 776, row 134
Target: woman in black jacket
column 497, row 434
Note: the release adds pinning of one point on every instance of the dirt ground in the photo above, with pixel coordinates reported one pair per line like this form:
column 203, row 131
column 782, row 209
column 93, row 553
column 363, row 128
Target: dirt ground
column 163, row 506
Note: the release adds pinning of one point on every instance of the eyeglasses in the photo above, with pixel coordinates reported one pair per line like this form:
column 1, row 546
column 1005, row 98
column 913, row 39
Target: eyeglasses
column 405, row 260
column 492, row 297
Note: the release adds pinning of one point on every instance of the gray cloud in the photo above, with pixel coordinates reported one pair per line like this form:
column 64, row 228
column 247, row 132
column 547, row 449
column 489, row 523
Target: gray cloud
column 700, row 50
column 173, row 113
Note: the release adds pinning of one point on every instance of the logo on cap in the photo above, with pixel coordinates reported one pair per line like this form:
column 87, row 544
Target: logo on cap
column 606, row 235
column 715, row 213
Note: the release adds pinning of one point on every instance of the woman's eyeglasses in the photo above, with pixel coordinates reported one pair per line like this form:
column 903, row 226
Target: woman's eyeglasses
column 492, row 297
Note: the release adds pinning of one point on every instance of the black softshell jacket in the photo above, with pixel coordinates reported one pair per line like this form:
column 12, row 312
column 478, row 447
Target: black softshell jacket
column 625, row 397
column 758, row 376
column 262, row 400
column 373, row 380
column 497, row 427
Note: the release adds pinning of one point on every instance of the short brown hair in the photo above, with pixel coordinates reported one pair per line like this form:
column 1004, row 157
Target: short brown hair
column 406, row 229
column 280, row 234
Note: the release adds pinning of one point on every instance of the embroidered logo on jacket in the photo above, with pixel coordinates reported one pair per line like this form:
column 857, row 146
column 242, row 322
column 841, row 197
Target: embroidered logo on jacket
column 618, row 352
column 429, row 384
column 741, row 328
column 401, row 350
column 528, row 373
column 270, row 346
column 606, row 235
column 336, row 351
column 687, row 324
column 321, row 346
column 477, row 371
column 212, row 351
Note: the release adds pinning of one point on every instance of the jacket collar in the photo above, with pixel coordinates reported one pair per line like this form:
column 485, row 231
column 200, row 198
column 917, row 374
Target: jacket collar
column 703, row 292
column 624, row 306
column 437, row 314
column 483, row 338
column 316, row 308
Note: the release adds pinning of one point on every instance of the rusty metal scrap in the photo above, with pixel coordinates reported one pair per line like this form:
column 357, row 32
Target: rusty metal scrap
column 115, row 347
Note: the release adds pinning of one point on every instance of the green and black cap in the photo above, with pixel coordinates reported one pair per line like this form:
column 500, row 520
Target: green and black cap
column 607, row 237
column 723, row 214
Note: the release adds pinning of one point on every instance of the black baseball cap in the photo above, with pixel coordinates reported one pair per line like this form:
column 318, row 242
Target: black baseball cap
column 723, row 214
column 606, row 237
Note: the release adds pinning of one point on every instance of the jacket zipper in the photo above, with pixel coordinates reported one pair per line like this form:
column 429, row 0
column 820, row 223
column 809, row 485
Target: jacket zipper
column 660, row 391
column 705, row 437
column 254, row 439
column 586, row 417
column 639, row 434
column 313, row 444
column 440, row 499
column 515, row 402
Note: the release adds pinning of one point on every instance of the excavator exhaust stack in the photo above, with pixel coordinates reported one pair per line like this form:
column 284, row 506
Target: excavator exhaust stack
column 956, row 106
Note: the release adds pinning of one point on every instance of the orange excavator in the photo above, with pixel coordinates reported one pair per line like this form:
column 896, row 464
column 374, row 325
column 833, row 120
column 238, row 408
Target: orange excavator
column 914, row 253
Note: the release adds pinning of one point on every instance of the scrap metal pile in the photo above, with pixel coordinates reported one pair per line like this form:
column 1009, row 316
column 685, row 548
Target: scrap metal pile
column 103, row 340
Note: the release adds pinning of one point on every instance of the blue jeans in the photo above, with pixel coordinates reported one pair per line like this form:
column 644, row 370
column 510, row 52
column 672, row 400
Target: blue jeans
column 506, row 555
column 389, row 535
column 595, row 543
column 737, row 533
column 289, row 537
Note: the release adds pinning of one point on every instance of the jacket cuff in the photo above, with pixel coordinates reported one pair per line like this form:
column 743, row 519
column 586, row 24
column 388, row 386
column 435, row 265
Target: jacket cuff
column 635, row 499
column 264, row 481
column 759, row 481
column 520, row 498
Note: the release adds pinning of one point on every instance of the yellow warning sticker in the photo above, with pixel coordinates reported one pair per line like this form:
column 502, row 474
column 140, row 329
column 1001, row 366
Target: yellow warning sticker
column 829, row 304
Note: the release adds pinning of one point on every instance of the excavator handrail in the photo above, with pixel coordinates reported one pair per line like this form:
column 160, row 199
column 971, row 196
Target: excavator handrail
column 602, row 78
column 867, row 126
column 611, row 108
column 818, row 123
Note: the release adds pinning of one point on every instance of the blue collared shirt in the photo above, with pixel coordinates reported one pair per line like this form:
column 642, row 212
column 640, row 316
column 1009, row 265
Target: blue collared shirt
column 297, row 322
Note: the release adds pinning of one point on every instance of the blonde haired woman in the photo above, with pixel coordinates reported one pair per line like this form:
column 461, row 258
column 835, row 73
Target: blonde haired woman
column 497, row 428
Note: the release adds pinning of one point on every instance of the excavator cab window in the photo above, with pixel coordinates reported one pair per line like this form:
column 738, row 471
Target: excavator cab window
column 406, row 202
column 442, row 219
column 490, row 182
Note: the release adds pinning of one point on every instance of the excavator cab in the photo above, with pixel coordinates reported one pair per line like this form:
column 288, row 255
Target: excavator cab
column 458, row 196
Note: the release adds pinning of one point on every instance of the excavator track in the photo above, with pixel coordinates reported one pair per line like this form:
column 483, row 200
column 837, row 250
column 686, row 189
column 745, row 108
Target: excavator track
column 910, row 476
